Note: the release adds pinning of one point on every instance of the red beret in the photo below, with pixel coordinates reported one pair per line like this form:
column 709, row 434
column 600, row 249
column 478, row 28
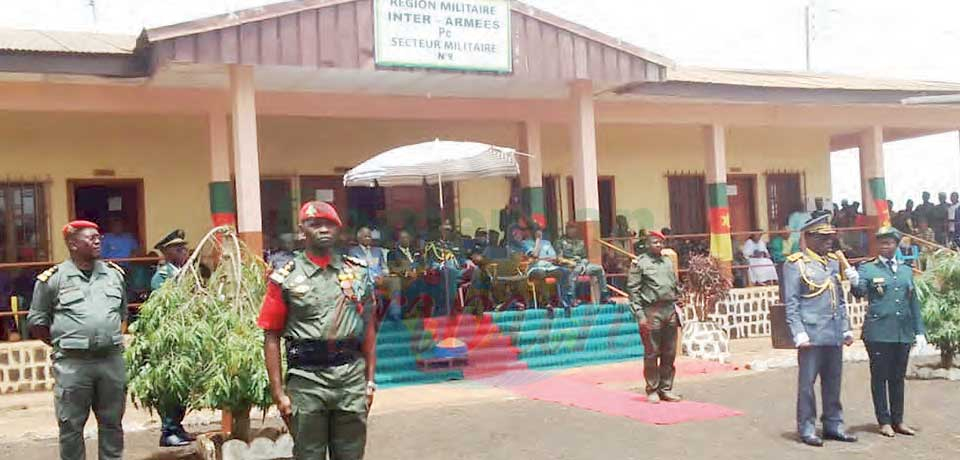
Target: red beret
column 77, row 225
column 319, row 210
column 656, row 234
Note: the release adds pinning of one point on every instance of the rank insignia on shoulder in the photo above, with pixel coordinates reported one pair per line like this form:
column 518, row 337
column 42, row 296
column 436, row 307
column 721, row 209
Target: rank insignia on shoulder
column 832, row 255
column 795, row 257
column 43, row 277
column 116, row 267
column 281, row 274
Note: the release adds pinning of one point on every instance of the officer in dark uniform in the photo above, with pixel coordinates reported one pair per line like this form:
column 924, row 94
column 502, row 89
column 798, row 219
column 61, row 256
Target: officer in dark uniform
column 406, row 265
column 893, row 323
column 816, row 313
column 444, row 260
column 79, row 307
column 652, row 285
column 321, row 304
column 175, row 254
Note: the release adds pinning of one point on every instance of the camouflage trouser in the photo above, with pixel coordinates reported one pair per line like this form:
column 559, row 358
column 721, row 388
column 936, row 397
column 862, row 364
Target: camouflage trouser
column 86, row 381
column 329, row 416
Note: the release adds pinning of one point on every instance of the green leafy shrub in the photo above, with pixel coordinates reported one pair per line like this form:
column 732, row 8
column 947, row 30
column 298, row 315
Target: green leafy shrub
column 196, row 341
column 938, row 289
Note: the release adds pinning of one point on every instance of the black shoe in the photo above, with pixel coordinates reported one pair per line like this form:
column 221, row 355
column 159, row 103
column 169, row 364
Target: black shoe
column 183, row 434
column 173, row 440
column 841, row 436
column 812, row 441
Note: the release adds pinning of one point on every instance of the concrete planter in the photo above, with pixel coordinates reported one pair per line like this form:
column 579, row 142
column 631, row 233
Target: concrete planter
column 705, row 340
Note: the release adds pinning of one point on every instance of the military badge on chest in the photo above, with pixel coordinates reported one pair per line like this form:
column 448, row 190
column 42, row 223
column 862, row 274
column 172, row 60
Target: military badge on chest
column 878, row 284
column 347, row 279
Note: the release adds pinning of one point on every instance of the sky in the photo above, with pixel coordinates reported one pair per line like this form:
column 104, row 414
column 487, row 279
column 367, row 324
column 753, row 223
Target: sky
column 915, row 39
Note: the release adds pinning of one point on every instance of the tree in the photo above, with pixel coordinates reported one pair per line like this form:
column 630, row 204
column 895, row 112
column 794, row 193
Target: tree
column 707, row 283
column 939, row 293
column 196, row 339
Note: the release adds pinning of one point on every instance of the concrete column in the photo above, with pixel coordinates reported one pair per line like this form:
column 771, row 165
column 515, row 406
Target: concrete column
column 246, row 157
column 583, row 136
column 872, row 178
column 223, row 210
column 718, row 209
column 531, row 172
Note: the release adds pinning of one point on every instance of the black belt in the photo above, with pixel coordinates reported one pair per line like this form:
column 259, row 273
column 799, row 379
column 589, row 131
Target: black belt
column 321, row 353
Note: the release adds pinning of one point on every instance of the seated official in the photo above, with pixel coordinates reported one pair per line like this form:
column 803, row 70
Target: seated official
column 573, row 249
column 443, row 264
column 406, row 263
column 543, row 264
column 762, row 269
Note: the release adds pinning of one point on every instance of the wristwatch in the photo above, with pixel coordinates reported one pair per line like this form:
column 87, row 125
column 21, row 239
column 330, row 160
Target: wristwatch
column 371, row 386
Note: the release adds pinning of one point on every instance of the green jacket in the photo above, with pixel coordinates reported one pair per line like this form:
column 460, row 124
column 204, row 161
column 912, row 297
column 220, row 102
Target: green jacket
column 651, row 279
column 318, row 300
column 83, row 313
column 164, row 272
column 893, row 311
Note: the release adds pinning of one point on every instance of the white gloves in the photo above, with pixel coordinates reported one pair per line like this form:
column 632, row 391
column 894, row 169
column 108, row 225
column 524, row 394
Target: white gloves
column 852, row 275
column 921, row 342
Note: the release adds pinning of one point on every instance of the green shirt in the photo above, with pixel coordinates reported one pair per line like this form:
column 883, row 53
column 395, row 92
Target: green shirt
column 318, row 306
column 83, row 312
column 164, row 272
column 650, row 280
column 893, row 310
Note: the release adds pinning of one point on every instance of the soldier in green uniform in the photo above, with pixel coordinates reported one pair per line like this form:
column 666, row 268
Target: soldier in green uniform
column 321, row 305
column 79, row 307
column 892, row 325
column 816, row 314
column 652, row 285
column 175, row 254
column 572, row 248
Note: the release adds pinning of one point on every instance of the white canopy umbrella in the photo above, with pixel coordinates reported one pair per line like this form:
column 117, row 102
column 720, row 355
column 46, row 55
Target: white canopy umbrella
column 434, row 162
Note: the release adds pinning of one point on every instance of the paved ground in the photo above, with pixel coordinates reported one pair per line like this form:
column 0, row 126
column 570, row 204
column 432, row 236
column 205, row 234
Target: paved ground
column 466, row 420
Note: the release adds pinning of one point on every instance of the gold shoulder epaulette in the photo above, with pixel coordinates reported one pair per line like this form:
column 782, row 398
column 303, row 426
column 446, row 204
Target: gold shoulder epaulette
column 43, row 277
column 116, row 267
column 795, row 257
column 280, row 275
column 355, row 261
column 832, row 255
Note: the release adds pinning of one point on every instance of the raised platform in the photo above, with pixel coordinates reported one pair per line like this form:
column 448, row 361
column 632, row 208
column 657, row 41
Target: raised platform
column 503, row 341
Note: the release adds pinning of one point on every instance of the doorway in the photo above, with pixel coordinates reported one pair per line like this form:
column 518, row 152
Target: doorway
column 276, row 207
column 606, row 188
column 97, row 200
column 741, row 194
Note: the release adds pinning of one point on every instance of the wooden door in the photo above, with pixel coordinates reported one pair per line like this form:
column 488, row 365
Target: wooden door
column 688, row 204
column 325, row 188
column 741, row 194
column 405, row 208
column 784, row 197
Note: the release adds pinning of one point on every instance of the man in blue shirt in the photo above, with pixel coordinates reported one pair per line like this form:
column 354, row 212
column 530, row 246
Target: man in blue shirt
column 117, row 243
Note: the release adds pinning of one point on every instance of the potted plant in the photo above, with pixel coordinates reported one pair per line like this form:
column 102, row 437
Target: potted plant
column 939, row 291
column 196, row 341
column 704, row 286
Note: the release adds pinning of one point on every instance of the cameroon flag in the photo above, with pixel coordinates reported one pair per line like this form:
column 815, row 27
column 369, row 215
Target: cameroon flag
column 721, row 246
column 878, row 190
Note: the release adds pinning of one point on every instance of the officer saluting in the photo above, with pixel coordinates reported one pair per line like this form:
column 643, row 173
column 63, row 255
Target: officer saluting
column 320, row 303
column 892, row 324
column 816, row 313
column 78, row 307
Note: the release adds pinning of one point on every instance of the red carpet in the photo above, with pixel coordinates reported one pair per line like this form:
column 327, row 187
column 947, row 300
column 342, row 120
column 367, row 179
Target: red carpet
column 574, row 393
column 633, row 371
